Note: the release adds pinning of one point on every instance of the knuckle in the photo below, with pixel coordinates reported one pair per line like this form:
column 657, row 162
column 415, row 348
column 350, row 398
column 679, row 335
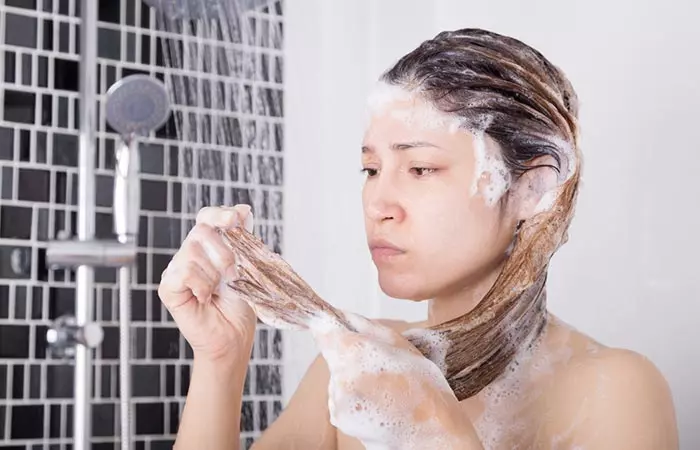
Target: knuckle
column 201, row 231
column 191, row 271
column 204, row 214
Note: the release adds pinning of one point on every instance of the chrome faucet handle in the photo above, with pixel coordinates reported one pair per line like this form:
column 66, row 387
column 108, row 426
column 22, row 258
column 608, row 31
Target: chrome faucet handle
column 65, row 334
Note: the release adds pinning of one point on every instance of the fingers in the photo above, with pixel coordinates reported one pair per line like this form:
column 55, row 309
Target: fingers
column 373, row 328
column 197, row 255
column 226, row 217
column 205, row 241
column 197, row 268
column 180, row 280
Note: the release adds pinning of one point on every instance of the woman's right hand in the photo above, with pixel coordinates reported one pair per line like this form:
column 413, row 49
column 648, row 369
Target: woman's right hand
column 215, row 322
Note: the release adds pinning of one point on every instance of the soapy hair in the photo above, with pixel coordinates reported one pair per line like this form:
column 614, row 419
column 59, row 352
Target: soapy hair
column 503, row 88
column 500, row 87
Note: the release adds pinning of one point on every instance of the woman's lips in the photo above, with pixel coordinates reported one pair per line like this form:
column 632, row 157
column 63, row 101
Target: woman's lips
column 382, row 250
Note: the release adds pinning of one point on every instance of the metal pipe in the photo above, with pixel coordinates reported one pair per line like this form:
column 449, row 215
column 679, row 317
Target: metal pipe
column 124, row 355
column 84, row 301
column 127, row 200
column 96, row 253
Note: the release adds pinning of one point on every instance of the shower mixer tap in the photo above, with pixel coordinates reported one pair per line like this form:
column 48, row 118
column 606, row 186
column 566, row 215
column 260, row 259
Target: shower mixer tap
column 64, row 334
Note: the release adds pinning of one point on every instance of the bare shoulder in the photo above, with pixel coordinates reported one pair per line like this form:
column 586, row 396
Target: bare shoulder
column 606, row 397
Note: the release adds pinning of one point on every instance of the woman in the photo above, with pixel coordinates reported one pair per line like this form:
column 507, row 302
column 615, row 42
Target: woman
column 472, row 135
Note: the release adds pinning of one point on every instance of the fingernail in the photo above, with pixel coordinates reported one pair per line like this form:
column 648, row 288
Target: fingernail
column 249, row 222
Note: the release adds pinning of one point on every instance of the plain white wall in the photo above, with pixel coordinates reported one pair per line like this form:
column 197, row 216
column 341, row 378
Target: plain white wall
column 629, row 274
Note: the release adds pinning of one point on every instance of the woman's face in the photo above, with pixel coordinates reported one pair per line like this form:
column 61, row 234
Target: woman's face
column 432, row 223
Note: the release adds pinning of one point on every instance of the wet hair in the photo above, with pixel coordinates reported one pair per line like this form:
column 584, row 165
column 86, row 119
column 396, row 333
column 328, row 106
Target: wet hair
column 509, row 91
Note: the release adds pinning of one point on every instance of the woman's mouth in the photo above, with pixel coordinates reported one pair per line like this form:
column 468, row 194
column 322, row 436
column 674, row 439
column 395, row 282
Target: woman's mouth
column 383, row 250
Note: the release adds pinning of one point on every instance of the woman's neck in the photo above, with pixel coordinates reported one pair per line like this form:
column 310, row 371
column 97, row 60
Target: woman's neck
column 461, row 300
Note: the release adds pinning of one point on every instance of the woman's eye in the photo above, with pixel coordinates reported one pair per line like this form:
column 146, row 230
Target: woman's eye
column 420, row 171
column 370, row 172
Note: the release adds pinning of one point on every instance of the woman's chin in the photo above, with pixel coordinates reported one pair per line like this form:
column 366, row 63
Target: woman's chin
column 400, row 288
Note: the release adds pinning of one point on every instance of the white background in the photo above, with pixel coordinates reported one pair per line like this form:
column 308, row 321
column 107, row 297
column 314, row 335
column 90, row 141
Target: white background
column 629, row 276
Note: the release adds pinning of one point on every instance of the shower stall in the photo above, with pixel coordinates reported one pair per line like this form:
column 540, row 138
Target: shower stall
column 120, row 120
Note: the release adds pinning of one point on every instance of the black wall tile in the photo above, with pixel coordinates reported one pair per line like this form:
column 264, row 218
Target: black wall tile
column 54, row 421
column 40, row 343
column 138, row 305
column 15, row 222
column 34, row 381
column 19, row 106
column 61, row 301
column 3, row 382
column 34, row 185
column 154, row 195
column 27, row 422
column 59, row 382
column 146, row 381
column 149, row 418
column 65, row 150
column 247, row 420
column 20, row 30
column 166, row 343
column 110, row 343
column 18, row 382
column 14, row 341
column 4, row 302
column 7, row 142
column 103, row 419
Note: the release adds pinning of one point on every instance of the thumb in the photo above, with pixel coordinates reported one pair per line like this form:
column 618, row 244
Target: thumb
column 375, row 329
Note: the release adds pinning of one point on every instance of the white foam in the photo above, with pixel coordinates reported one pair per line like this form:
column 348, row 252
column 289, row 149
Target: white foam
column 489, row 163
column 507, row 420
column 436, row 343
column 416, row 112
column 384, row 419
column 546, row 201
column 271, row 318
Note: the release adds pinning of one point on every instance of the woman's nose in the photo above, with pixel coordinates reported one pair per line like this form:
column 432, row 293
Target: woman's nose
column 383, row 203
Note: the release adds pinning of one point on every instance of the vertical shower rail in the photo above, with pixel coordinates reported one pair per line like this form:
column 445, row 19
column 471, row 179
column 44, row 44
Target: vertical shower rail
column 84, row 302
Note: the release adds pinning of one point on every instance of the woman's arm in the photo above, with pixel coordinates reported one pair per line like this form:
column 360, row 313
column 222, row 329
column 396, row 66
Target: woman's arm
column 304, row 423
column 212, row 414
column 615, row 399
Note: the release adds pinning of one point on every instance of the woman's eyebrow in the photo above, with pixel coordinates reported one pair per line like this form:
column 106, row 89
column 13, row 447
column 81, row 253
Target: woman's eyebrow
column 403, row 146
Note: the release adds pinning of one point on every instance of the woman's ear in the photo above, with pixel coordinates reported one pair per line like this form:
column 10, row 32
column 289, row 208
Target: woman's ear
column 534, row 187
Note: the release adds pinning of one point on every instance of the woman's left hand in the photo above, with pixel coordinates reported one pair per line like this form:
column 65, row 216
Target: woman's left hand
column 385, row 393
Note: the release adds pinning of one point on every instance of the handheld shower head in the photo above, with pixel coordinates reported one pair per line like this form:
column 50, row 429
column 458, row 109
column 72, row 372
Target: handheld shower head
column 202, row 9
column 137, row 104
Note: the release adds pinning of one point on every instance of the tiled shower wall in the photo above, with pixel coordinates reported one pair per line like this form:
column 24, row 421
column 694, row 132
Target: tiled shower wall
column 39, row 57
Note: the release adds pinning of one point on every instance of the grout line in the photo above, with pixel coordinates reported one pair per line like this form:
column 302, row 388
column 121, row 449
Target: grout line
column 11, row 303
column 8, row 410
column 27, row 376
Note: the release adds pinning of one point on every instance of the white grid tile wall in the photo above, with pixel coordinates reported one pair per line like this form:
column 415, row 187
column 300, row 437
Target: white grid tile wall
column 39, row 57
